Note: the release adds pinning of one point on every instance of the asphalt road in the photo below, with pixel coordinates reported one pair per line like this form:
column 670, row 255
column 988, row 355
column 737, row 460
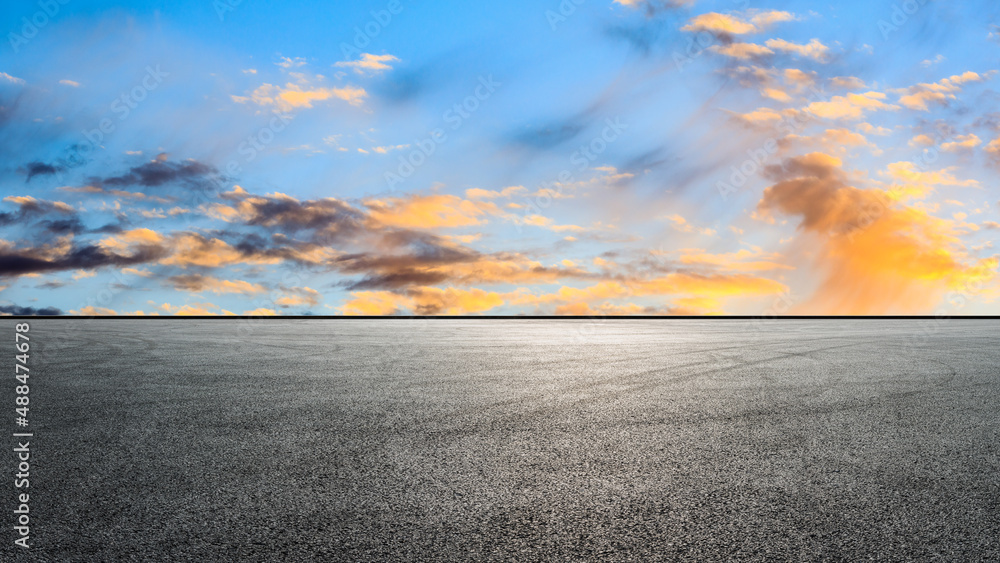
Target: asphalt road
column 524, row 440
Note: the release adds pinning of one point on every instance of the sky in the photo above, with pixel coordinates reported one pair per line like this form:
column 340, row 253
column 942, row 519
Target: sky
column 574, row 157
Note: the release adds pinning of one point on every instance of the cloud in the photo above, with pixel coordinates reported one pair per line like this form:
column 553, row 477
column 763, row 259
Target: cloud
column 777, row 84
column 799, row 77
column 289, row 63
column 962, row 143
column 931, row 62
column 190, row 310
column 547, row 223
column 159, row 172
column 29, row 207
column 63, row 255
column 743, row 260
column 36, row 168
column 851, row 106
column 918, row 97
column 844, row 138
column 423, row 301
column 368, row 63
column 330, row 217
column 20, row 311
column 430, row 211
column 910, row 182
column 12, row 79
column 681, row 224
column 299, row 296
column 137, row 272
column 195, row 250
column 431, row 261
column 847, row 82
column 879, row 257
column 508, row 192
column 993, row 148
column 686, row 285
column 387, row 148
column 197, row 283
column 737, row 24
column 91, row 311
column 813, row 50
column 293, row 96
column 260, row 312
column 742, row 51
column 764, row 116
column 870, row 129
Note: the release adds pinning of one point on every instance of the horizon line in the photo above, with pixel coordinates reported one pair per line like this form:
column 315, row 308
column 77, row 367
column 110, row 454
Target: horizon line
column 515, row 317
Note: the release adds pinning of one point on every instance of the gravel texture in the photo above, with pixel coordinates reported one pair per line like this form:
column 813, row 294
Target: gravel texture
column 525, row 440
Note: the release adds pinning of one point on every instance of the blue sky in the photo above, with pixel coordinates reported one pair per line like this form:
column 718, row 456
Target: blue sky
column 530, row 157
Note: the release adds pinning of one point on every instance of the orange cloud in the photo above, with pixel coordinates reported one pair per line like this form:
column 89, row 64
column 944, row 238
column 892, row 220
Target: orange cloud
column 813, row 50
column 192, row 309
column 743, row 260
column 732, row 24
column 742, row 51
column 961, row 143
column 879, row 257
column 261, row 312
column 299, row 296
column 712, row 287
column 197, row 283
column 368, row 63
column 130, row 240
column 292, row 96
column 189, row 249
column 430, row 211
column 91, row 311
column 423, row 301
column 918, row 97
column 851, row 106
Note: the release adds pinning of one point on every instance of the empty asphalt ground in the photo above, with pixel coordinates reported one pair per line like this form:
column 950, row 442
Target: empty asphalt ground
column 523, row 440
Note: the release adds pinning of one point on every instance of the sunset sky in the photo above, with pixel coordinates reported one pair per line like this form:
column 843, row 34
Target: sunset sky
column 587, row 157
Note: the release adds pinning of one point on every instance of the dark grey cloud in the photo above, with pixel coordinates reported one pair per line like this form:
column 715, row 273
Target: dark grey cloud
column 29, row 311
column 86, row 257
column 334, row 217
column 161, row 172
column 64, row 226
column 36, row 168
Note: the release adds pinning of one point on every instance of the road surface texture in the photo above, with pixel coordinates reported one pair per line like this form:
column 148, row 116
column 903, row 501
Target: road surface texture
column 515, row 440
